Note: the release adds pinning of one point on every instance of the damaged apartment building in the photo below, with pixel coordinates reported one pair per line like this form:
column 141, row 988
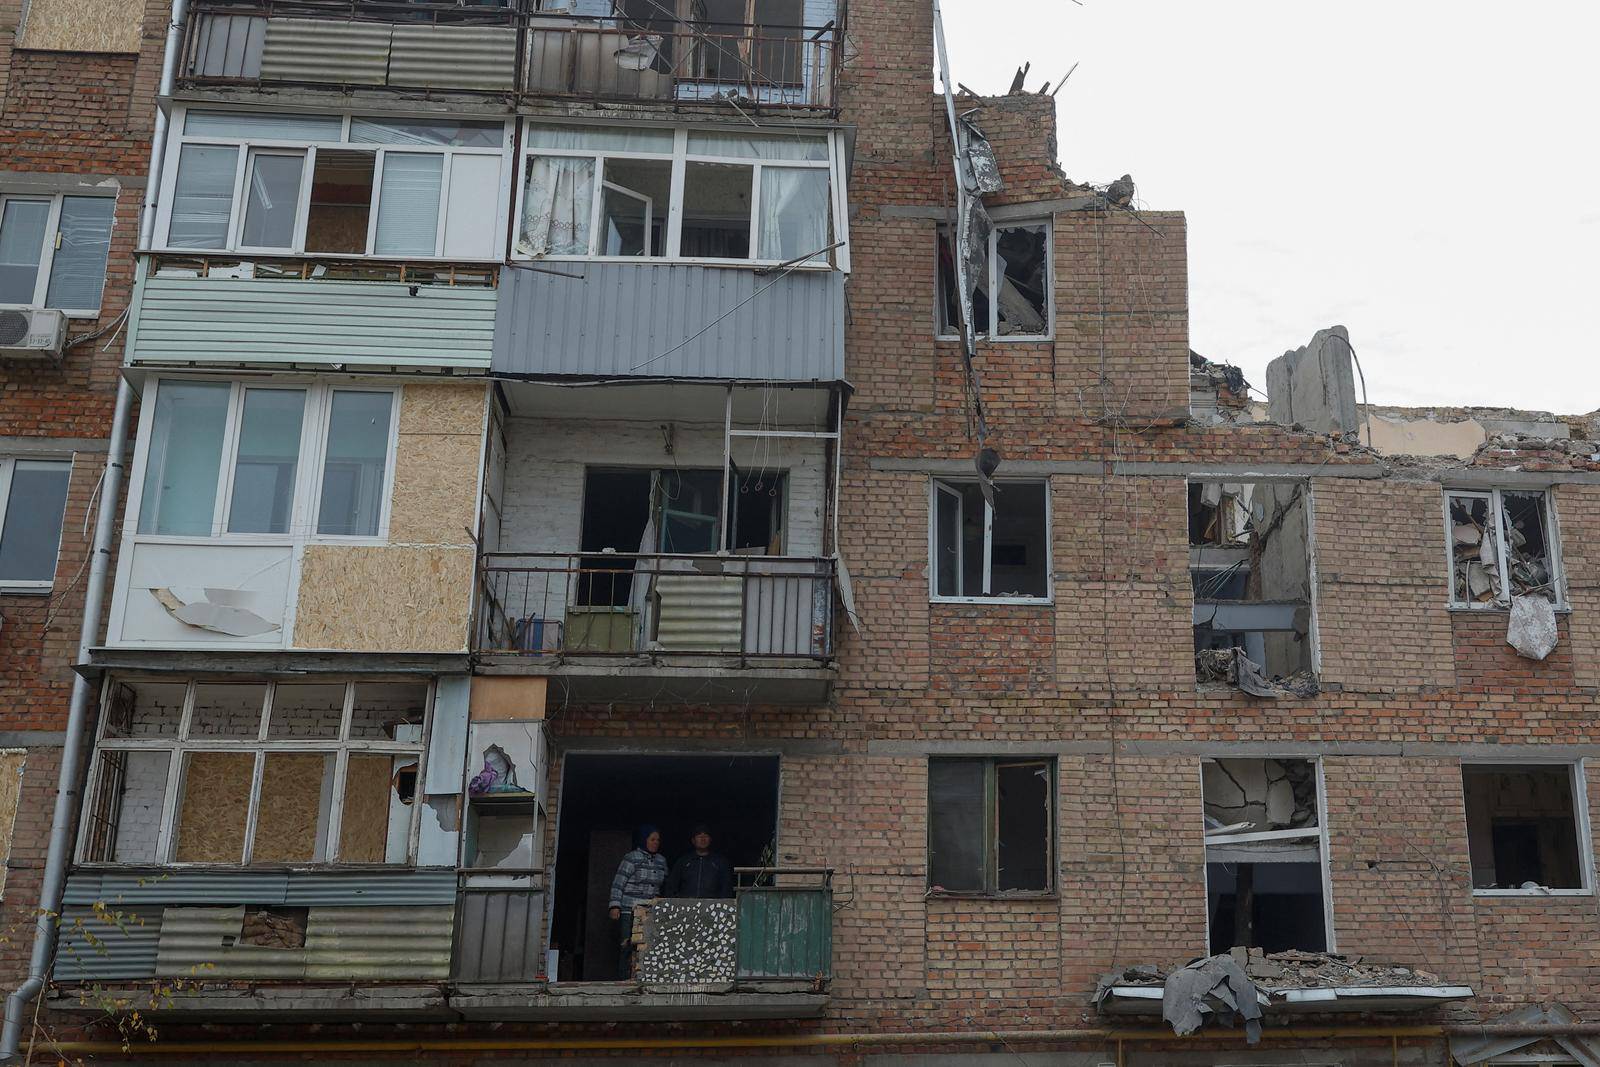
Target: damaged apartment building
column 526, row 426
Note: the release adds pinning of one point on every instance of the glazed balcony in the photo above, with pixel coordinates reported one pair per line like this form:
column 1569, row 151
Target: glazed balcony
column 784, row 57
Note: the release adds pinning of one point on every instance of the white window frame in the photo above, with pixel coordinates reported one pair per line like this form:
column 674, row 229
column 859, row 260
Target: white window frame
column 248, row 146
column 1577, row 781
column 937, row 484
column 8, row 465
column 990, row 333
column 52, row 241
column 1319, row 832
column 180, row 747
column 1552, row 537
column 304, row 515
column 680, row 157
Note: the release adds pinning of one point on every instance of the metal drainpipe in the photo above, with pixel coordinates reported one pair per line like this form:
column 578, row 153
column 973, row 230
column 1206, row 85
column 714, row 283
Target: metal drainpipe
column 67, row 785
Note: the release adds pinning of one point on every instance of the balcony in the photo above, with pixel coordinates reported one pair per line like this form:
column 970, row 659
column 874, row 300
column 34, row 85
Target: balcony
column 606, row 620
column 585, row 55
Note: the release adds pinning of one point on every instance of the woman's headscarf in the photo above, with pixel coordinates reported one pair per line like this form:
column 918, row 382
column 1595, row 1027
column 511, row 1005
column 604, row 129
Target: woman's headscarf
column 643, row 834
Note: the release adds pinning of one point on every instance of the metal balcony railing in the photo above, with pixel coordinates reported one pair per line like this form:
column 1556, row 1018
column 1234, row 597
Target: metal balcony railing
column 770, row 608
column 509, row 49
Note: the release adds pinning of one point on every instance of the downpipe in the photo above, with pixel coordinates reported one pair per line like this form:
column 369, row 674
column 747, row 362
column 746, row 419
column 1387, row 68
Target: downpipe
column 68, row 781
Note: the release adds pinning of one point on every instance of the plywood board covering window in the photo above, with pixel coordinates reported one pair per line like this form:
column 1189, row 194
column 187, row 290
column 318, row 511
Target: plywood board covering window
column 81, row 26
column 215, row 807
column 11, row 763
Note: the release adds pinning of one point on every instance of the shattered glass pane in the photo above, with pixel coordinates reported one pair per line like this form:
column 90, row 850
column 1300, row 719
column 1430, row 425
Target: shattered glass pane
column 950, row 294
column 1527, row 545
column 1474, row 554
column 1022, row 269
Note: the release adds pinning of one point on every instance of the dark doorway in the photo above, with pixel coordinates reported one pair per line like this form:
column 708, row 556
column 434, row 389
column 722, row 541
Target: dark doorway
column 604, row 798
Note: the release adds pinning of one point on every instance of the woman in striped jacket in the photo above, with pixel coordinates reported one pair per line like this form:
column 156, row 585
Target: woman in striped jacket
column 638, row 879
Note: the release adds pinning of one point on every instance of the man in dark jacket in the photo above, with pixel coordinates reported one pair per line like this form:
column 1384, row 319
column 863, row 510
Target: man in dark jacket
column 702, row 874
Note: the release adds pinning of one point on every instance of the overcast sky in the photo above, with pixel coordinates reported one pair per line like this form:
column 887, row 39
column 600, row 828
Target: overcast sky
column 1425, row 173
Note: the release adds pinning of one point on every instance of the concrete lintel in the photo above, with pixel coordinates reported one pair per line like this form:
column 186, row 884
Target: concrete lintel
column 1035, row 208
column 55, row 446
column 270, row 664
column 1489, row 478
column 1477, row 752
column 985, row 748
column 1216, row 471
column 599, row 682
column 627, row 1006
column 933, row 212
column 795, row 746
column 26, row 181
column 32, row 738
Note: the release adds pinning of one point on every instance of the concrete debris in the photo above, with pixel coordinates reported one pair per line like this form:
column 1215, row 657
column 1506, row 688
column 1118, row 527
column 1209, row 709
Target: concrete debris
column 269, row 929
column 1314, row 387
column 1232, row 666
column 982, row 166
column 1214, row 987
column 1120, row 192
column 1270, row 973
column 1531, row 629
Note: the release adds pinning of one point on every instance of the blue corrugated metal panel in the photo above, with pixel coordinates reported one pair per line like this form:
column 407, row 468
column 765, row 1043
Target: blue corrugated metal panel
column 90, row 948
column 379, row 943
column 371, row 888
column 278, row 321
column 204, row 943
column 784, row 328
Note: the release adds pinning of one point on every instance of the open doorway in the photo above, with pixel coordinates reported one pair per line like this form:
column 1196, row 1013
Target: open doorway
column 605, row 798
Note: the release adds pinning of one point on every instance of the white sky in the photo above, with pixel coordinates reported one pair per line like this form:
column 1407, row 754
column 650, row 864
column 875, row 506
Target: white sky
column 1426, row 173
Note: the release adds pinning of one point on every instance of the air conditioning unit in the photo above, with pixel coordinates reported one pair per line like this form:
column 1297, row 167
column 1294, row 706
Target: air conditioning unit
column 32, row 333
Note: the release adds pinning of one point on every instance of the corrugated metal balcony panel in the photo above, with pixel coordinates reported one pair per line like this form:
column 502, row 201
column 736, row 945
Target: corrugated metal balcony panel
column 500, row 938
column 228, row 46
column 203, row 943
column 371, row 888
column 177, row 886
column 379, row 943
column 91, row 949
column 699, row 614
column 454, row 57
column 324, row 50
column 242, row 320
column 785, row 933
column 792, row 331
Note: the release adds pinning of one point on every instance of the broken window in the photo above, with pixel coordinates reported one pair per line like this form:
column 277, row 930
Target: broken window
column 1018, row 272
column 1497, row 533
column 613, row 192
column 33, row 501
column 249, row 773
column 991, row 825
column 1250, row 566
column 1522, row 827
column 186, row 491
column 982, row 551
column 1265, row 881
column 312, row 183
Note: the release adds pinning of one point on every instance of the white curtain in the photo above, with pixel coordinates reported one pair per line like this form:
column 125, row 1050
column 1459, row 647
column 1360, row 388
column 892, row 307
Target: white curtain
column 557, row 206
column 794, row 213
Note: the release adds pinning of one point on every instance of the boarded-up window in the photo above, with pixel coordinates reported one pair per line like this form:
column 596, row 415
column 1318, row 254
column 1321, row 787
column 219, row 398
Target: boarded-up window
column 11, row 761
column 214, row 807
column 991, row 825
column 81, row 26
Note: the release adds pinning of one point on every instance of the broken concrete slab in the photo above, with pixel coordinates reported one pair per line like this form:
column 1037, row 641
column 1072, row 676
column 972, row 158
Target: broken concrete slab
column 1314, row 386
column 1213, row 988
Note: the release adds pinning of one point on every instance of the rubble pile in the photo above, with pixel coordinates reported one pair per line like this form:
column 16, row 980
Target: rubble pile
column 269, row 930
column 1291, row 969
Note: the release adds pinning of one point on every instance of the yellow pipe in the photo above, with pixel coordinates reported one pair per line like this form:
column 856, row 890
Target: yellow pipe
column 512, row 1044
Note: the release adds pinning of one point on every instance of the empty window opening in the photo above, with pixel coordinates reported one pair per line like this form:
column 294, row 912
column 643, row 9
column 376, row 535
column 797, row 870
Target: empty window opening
column 991, row 825
column 1012, row 295
column 716, row 211
column 256, row 771
column 1499, row 534
column 1265, row 882
column 605, row 799
column 1250, row 566
column 636, row 197
column 982, row 551
column 341, row 202
column 1522, row 827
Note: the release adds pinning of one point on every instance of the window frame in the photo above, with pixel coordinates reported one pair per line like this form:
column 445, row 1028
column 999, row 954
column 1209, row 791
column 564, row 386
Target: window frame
column 679, row 158
column 991, row 845
column 1320, row 832
column 179, row 747
column 1495, row 497
column 248, row 146
column 1577, row 782
column 8, row 464
column 312, row 459
column 47, row 253
column 991, row 334
column 938, row 482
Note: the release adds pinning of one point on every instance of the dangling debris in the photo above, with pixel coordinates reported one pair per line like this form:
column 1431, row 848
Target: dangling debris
column 1216, row 986
column 1531, row 629
column 1231, row 665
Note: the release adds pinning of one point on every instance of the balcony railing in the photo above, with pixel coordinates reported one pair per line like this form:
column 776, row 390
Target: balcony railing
column 509, row 49
column 766, row 608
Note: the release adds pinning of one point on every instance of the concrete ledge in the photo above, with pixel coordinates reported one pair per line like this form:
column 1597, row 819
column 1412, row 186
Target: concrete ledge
column 675, row 678
column 612, row 1001
column 282, row 1002
column 266, row 664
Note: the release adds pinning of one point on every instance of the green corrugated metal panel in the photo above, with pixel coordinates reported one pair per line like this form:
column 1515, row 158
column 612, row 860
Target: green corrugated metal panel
column 279, row 321
column 379, row 943
column 785, row 933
